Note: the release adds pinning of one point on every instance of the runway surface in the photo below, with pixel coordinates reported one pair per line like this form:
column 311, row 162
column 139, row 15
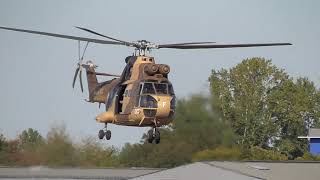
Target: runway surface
column 73, row 173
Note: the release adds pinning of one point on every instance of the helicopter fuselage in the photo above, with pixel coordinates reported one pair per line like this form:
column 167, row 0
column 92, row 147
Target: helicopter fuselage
column 141, row 96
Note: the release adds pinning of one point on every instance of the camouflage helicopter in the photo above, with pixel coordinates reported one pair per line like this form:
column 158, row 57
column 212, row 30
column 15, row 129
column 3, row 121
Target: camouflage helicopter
column 142, row 95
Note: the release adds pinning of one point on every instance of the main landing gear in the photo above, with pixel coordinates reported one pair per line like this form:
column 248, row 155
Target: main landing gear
column 104, row 132
column 154, row 135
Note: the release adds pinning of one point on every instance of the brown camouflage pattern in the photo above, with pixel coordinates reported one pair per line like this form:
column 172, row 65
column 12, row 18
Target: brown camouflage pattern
column 130, row 114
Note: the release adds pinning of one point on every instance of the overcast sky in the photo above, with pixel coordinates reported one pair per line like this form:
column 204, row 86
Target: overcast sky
column 36, row 71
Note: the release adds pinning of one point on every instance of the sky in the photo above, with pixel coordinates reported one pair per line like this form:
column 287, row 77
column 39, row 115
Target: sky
column 36, row 71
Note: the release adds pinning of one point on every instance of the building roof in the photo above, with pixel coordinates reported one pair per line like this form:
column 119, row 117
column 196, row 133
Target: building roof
column 314, row 132
column 226, row 170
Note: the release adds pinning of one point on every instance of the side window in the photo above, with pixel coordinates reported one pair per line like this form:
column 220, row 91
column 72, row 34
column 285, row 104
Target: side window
column 140, row 88
column 138, row 96
column 129, row 73
column 171, row 91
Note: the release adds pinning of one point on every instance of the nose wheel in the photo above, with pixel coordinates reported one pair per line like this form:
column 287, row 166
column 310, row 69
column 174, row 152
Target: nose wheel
column 104, row 133
column 154, row 135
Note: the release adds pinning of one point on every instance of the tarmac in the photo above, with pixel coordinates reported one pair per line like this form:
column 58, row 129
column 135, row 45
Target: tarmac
column 73, row 173
column 205, row 170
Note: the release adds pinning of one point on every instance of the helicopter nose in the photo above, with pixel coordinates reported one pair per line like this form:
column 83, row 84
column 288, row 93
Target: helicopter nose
column 163, row 106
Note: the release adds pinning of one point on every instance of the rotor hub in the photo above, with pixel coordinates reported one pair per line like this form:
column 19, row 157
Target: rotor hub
column 143, row 46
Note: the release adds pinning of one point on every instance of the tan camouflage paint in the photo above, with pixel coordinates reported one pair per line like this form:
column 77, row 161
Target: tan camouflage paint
column 131, row 115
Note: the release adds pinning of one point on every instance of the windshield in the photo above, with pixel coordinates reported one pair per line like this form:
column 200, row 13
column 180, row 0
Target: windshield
column 156, row 88
column 148, row 88
column 161, row 88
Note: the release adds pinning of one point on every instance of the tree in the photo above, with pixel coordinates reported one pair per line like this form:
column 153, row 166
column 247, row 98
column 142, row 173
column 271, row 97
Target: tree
column 30, row 138
column 93, row 153
column 265, row 107
column 3, row 148
column 242, row 94
column 59, row 149
column 195, row 128
column 197, row 123
column 3, row 143
column 295, row 106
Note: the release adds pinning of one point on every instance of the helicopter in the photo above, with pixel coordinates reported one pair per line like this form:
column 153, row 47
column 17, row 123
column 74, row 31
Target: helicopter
column 142, row 94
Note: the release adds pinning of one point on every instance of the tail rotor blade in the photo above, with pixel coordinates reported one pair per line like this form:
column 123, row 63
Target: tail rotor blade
column 79, row 49
column 80, row 77
column 75, row 77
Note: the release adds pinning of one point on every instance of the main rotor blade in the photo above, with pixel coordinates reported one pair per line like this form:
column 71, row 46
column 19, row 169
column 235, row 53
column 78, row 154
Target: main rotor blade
column 64, row 36
column 75, row 77
column 211, row 46
column 187, row 43
column 106, row 74
column 93, row 32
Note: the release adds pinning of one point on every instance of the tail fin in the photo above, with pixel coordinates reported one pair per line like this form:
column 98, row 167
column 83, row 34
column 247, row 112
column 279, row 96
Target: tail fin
column 91, row 77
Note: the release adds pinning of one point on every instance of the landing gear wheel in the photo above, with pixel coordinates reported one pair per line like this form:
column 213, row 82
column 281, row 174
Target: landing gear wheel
column 108, row 134
column 101, row 134
column 150, row 136
column 157, row 136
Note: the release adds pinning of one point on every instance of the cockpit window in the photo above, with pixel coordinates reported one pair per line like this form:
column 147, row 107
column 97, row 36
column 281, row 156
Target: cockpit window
column 161, row 88
column 156, row 88
column 148, row 88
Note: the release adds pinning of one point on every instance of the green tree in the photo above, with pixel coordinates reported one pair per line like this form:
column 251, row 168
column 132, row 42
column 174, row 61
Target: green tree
column 265, row 107
column 242, row 94
column 198, row 124
column 295, row 106
column 3, row 143
column 30, row 138
column 3, row 148
column 195, row 127
column 59, row 149
column 93, row 153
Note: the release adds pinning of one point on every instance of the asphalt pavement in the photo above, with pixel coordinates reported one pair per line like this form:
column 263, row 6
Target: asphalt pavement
column 74, row 173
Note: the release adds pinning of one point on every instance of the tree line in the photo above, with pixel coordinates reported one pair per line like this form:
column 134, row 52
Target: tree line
column 255, row 111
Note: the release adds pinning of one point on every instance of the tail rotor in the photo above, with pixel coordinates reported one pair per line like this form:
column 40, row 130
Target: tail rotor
column 80, row 66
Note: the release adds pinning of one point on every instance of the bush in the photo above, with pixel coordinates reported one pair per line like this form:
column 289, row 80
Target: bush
column 238, row 153
column 219, row 153
column 59, row 149
column 258, row 153
column 309, row 157
column 93, row 153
